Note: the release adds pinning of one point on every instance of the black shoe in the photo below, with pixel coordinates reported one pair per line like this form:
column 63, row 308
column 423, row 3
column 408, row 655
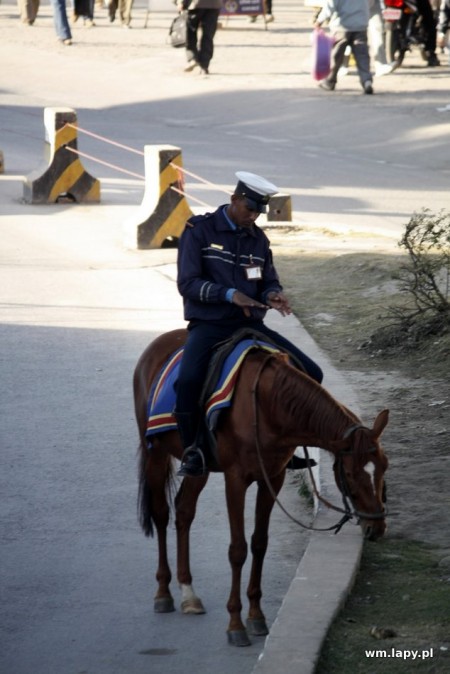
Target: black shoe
column 368, row 88
column 297, row 463
column 192, row 464
column 433, row 61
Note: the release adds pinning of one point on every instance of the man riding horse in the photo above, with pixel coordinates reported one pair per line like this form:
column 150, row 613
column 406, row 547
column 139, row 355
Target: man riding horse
column 228, row 281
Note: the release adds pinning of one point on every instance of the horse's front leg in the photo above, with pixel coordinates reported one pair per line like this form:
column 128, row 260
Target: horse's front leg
column 256, row 621
column 237, row 554
column 185, row 506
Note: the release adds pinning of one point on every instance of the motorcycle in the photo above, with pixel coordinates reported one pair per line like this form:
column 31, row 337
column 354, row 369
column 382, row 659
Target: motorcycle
column 403, row 30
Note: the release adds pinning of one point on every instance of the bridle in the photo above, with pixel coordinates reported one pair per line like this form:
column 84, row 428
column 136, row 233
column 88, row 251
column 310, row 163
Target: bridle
column 348, row 511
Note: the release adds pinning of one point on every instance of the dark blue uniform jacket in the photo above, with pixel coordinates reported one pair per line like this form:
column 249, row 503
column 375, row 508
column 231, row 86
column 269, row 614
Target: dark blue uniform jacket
column 212, row 258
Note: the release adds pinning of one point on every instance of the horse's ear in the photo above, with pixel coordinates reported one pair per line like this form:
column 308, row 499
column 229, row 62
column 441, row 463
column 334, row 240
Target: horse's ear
column 380, row 423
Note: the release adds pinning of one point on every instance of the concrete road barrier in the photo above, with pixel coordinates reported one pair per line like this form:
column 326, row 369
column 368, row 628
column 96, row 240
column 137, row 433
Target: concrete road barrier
column 164, row 209
column 63, row 175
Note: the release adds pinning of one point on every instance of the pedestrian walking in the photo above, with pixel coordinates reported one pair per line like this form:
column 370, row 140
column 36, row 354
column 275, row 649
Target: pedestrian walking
column 84, row 8
column 124, row 8
column 61, row 22
column 348, row 21
column 429, row 23
column 202, row 18
column 28, row 11
column 376, row 41
column 444, row 25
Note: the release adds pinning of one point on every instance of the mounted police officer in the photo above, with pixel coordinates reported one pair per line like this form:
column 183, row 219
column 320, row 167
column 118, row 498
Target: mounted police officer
column 228, row 282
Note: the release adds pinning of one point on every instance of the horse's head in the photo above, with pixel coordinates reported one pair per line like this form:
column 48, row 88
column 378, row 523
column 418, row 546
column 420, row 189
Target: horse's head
column 359, row 468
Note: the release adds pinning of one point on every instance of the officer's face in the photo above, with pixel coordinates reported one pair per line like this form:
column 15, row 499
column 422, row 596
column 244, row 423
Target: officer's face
column 240, row 213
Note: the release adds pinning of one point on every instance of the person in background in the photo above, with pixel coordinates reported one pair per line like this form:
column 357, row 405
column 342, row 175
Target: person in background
column 348, row 20
column 84, row 8
column 124, row 7
column 28, row 11
column 202, row 15
column 268, row 17
column 429, row 23
column 376, row 42
column 228, row 281
column 61, row 22
column 443, row 25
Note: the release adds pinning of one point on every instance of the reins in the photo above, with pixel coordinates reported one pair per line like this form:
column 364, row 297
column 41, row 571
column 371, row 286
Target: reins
column 348, row 511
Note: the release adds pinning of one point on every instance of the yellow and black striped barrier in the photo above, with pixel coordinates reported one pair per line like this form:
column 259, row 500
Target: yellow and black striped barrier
column 164, row 210
column 63, row 177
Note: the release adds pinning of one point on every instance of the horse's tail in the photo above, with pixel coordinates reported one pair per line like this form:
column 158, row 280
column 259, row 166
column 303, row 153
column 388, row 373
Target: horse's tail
column 145, row 510
column 145, row 492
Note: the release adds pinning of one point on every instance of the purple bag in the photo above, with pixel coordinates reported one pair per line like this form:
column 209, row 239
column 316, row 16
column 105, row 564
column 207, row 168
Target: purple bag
column 321, row 47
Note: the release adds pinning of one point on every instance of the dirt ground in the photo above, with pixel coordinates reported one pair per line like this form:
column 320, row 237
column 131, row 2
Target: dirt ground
column 341, row 295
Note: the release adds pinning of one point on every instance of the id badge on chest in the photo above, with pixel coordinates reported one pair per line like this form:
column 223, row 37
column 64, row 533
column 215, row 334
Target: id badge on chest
column 253, row 273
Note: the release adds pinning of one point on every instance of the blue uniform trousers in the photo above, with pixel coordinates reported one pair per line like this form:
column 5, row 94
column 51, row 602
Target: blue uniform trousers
column 202, row 338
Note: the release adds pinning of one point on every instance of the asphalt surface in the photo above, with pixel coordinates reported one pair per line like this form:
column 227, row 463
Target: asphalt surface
column 78, row 308
column 77, row 574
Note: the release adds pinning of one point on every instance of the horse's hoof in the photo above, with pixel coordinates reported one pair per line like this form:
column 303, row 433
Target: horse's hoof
column 257, row 628
column 164, row 605
column 238, row 638
column 192, row 605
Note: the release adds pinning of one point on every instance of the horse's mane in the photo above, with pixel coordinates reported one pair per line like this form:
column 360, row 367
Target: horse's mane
column 303, row 399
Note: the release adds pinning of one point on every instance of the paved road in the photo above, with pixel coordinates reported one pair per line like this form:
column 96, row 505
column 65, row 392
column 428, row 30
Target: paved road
column 77, row 574
column 348, row 159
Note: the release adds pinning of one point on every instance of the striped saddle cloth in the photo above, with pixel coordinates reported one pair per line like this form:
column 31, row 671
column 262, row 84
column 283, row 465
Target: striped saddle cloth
column 161, row 403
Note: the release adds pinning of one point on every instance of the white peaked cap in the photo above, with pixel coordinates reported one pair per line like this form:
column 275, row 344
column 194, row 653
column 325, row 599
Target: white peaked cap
column 257, row 183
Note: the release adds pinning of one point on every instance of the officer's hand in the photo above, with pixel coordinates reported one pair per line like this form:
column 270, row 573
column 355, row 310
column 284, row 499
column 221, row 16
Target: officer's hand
column 245, row 302
column 279, row 302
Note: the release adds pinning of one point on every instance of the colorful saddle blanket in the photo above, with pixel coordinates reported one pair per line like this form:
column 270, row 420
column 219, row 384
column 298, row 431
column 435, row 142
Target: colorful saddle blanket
column 162, row 395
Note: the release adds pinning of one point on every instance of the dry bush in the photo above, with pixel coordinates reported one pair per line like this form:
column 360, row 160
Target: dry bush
column 424, row 281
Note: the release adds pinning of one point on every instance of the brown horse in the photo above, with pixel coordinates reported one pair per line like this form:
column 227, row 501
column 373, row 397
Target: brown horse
column 275, row 408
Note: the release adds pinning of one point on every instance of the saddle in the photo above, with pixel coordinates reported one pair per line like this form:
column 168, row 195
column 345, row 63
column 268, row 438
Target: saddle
column 217, row 392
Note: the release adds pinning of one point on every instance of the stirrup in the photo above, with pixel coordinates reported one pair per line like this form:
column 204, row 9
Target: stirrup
column 193, row 463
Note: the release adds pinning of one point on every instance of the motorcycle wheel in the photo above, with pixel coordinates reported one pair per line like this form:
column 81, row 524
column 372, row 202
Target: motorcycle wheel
column 392, row 46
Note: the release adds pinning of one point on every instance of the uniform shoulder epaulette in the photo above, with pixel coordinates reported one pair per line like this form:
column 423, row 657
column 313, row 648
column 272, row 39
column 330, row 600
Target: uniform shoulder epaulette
column 197, row 219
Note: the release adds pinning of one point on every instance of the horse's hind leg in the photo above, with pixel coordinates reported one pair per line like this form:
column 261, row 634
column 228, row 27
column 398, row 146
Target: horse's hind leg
column 185, row 506
column 256, row 622
column 154, row 499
